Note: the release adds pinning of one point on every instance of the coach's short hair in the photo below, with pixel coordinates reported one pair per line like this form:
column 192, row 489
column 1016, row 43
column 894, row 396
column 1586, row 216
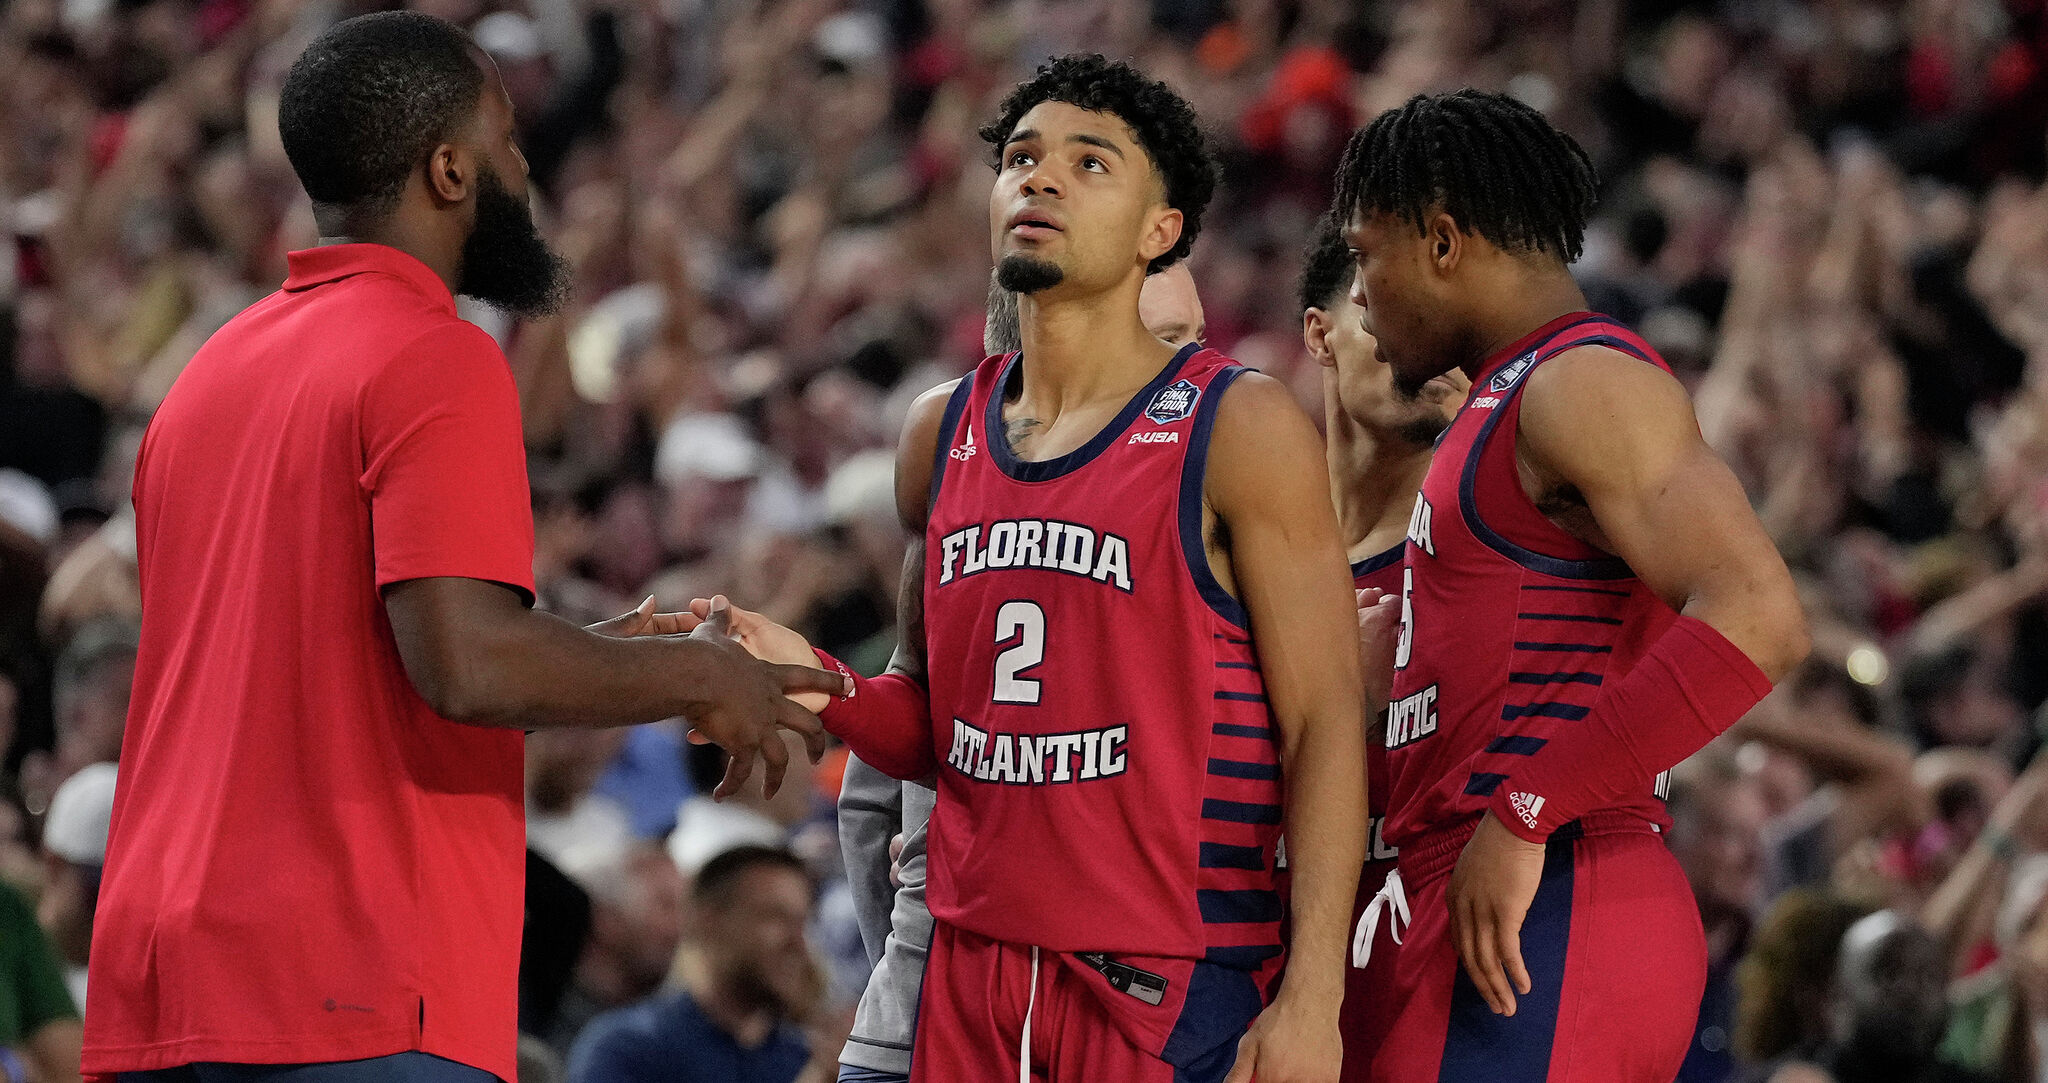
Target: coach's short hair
column 716, row 880
column 1163, row 121
column 366, row 103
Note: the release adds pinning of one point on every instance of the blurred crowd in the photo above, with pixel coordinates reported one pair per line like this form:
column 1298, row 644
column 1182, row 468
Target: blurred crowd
column 1828, row 214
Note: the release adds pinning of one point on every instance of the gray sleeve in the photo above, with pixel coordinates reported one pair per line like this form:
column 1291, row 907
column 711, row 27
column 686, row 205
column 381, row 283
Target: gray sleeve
column 870, row 814
column 886, row 1023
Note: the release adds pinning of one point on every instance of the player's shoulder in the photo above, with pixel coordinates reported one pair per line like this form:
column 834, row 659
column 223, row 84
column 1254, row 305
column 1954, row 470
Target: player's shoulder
column 1595, row 374
column 917, row 449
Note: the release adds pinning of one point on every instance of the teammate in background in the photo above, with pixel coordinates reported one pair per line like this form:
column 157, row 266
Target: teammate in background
column 895, row 923
column 1588, row 600
column 1103, row 525
column 1379, row 443
column 318, row 840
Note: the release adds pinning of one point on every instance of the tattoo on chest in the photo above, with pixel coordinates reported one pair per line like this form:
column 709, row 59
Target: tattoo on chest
column 1020, row 429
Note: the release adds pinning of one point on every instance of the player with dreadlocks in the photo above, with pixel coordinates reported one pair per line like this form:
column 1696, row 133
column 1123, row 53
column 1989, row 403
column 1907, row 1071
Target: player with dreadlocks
column 1587, row 600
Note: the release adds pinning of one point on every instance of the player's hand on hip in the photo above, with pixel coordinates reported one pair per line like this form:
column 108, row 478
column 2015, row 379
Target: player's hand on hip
column 644, row 621
column 747, row 704
column 1292, row 1041
column 1489, row 895
column 1379, row 627
column 768, row 641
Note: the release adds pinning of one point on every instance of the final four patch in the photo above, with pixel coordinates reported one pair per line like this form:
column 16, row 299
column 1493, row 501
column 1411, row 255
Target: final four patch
column 1174, row 402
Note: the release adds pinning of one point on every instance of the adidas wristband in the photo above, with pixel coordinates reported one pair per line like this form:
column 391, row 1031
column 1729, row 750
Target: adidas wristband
column 886, row 720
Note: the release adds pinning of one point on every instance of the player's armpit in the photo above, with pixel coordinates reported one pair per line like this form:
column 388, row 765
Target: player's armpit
column 1266, row 483
column 1623, row 435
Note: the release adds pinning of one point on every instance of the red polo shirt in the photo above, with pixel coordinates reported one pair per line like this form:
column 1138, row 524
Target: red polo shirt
column 307, row 863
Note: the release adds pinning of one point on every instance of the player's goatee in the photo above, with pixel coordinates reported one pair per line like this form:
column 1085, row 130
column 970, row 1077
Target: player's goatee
column 1022, row 274
column 506, row 263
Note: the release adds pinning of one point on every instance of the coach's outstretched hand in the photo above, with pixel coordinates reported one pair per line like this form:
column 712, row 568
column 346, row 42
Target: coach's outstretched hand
column 744, row 713
column 1489, row 895
column 768, row 641
column 1295, row 1040
column 644, row 621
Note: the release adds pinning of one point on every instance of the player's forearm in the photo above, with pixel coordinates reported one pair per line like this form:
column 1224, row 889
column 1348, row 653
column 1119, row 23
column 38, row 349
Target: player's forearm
column 1326, row 824
column 1690, row 687
column 885, row 720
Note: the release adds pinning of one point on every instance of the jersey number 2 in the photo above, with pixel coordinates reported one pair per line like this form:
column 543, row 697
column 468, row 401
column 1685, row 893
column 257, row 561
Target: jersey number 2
column 1023, row 622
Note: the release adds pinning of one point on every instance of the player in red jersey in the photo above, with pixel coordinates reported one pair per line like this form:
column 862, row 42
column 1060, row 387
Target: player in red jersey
column 1103, row 525
column 1379, row 443
column 1587, row 600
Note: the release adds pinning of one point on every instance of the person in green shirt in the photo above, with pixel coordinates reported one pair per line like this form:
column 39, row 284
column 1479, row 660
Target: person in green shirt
column 38, row 1022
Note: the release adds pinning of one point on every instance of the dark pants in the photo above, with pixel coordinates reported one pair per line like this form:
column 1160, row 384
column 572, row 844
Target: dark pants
column 397, row 1068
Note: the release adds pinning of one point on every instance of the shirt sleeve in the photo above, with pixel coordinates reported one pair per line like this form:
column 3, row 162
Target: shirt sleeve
column 35, row 973
column 445, row 464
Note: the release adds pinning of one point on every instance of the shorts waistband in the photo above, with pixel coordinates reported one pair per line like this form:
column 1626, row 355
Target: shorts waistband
column 1433, row 855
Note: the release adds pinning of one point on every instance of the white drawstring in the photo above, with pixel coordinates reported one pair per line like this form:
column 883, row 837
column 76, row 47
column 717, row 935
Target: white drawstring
column 1393, row 898
column 1024, row 1054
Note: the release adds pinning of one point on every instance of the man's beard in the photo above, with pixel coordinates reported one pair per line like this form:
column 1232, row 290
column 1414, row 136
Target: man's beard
column 505, row 262
column 1423, row 431
column 1023, row 274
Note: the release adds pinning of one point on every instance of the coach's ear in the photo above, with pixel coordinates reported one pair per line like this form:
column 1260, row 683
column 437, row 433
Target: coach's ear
column 451, row 174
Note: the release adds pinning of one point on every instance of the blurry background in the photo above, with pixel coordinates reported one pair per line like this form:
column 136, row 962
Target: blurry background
column 1828, row 215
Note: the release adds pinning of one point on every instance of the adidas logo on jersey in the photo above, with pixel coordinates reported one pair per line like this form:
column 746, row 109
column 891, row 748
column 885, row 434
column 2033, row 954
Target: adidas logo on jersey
column 1155, row 436
column 965, row 451
column 1528, row 806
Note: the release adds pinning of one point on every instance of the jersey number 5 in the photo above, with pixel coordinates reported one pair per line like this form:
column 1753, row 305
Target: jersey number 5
column 1023, row 623
column 1406, row 643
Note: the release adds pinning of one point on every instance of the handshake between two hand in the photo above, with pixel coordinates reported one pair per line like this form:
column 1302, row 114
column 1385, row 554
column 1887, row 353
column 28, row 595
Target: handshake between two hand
column 765, row 681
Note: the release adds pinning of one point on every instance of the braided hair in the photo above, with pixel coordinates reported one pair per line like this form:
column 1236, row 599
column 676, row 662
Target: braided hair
column 1495, row 165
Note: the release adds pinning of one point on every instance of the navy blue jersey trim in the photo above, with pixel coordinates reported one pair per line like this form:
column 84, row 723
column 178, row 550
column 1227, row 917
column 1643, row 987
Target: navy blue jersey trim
column 949, row 430
column 1579, row 617
column 1570, row 712
column 1518, row 746
column 1555, row 678
column 1483, row 783
column 1238, row 907
column 1225, row 729
column 1377, row 561
column 1262, row 772
column 1577, row 590
column 1218, row 855
column 1242, row 697
column 1565, row 648
column 1194, row 468
column 1239, row 812
column 1222, row 1001
column 1237, row 665
column 1233, row 640
column 998, row 439
column 1604, row 568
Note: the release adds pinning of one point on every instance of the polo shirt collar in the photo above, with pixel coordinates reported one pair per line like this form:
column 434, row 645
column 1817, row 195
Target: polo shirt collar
column 312, row 267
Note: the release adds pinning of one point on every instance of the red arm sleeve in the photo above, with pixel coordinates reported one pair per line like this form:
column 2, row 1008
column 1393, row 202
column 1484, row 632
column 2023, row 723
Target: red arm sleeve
column 445, row 465
column 886, row 720
column 1691, row 686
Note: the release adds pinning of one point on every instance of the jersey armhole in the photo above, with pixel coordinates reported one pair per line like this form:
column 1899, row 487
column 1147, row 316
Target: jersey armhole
column 1194, row 469
column 949, row 424
column 1599, row 568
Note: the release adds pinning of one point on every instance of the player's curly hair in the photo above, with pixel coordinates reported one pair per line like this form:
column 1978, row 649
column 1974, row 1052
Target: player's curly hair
column 366, row 103
column 1163, row 121
column 1496, row 166
column 1326, row 265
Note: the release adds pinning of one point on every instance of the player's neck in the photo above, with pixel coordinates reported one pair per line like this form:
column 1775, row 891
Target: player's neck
column 1079, row 350
column 1373, row 481
column 1528, row 299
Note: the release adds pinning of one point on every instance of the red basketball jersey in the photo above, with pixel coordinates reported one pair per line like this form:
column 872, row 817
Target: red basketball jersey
column 1109, row 777
column 1509, row 625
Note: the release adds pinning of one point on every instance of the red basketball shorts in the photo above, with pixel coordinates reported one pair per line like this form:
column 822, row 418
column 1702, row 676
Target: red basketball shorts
column 1615, row 955
column 1369, row 1004
column 1085, row 1023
